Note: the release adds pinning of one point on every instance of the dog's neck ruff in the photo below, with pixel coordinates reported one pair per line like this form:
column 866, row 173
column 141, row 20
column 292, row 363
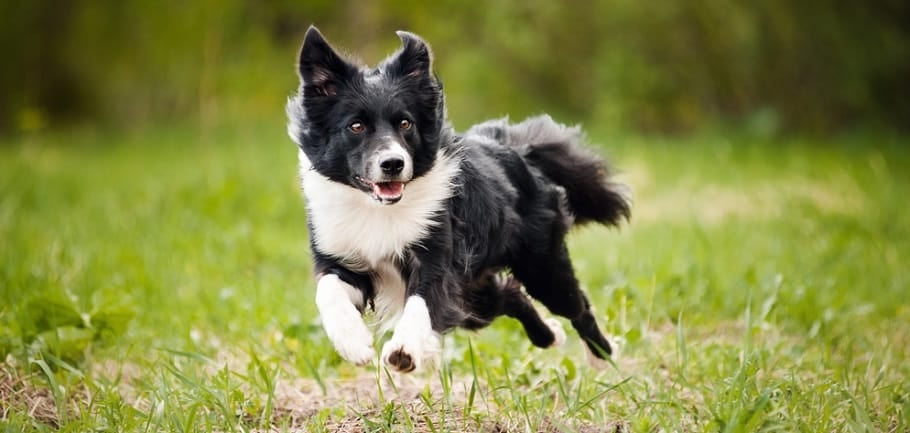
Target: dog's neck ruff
column 351, row 226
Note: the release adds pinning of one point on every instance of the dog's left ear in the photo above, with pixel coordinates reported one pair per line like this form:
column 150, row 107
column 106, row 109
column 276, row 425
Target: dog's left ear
column 319, row 66
column 414, row 58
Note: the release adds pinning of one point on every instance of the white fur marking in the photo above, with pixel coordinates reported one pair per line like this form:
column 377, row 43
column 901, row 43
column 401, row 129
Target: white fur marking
column 343, row 324
column 414, row 335
column 350, row 225
column 558, row 332
column 390, row 294
column 294, row 131
column 296, row 122
column 304, row 163
column 394, row 148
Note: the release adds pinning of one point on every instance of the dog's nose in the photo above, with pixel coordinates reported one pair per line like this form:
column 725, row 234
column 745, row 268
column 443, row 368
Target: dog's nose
column 392, row 165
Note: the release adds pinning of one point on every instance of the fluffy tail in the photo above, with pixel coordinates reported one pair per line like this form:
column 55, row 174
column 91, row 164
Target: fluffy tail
column 559, row 152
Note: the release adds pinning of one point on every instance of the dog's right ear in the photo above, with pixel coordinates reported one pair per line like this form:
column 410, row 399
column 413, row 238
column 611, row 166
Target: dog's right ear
column 319, row 66
column 414, row 58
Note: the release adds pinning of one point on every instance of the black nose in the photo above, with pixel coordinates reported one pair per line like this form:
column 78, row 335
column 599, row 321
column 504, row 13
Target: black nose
column 392, row 165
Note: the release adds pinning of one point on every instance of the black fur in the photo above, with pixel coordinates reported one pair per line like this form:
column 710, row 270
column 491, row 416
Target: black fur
column 520, row 188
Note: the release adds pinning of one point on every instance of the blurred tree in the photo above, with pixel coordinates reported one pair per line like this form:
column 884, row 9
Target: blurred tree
column 36, row 81
column 814, row 66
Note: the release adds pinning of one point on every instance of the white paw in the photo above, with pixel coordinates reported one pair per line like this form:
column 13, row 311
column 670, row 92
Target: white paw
column 353, row 340
column 342, row 322
column 558, row 332
column 413, row 343
column 410, row 352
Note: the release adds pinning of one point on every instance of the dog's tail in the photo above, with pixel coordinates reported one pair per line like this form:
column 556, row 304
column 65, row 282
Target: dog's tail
column 559, row 152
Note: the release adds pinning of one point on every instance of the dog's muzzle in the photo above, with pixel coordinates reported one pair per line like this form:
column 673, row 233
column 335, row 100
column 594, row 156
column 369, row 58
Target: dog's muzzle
column 388, row 171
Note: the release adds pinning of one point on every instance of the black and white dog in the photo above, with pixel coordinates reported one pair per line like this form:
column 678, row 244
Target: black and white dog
column 430, row 229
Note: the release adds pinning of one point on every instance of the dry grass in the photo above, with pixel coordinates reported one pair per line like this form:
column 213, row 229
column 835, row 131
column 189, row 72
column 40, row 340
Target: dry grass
column 712, row 203
column 18, row 393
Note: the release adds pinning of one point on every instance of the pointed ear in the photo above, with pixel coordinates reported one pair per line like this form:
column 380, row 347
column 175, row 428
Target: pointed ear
column 414, row 58
column 319, row 66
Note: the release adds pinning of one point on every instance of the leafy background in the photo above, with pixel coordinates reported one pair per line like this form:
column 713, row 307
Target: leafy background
column 815, row 66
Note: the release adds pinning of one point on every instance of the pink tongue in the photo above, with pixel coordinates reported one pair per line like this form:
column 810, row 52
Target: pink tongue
column 388, row 189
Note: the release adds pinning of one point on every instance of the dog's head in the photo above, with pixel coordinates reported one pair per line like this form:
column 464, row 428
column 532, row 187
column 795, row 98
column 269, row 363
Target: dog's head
column 374, row 129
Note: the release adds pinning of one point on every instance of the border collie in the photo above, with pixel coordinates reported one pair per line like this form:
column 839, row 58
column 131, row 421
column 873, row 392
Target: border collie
column 430, row 229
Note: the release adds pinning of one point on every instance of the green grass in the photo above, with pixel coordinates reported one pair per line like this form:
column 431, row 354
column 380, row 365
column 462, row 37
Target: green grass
column 161, row 282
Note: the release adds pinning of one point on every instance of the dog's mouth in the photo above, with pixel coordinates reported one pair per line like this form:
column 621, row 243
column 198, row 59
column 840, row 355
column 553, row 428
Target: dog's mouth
column 384, row 192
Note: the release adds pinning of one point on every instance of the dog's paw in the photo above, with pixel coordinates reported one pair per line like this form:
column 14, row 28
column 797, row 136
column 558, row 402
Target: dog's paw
column 594, row 361
column 559, row 335
column 408, row 353
column 399, row 359
column 342, row 321
column 359, row 356
column 597, row 362
column 355, row 343
column 413, row 343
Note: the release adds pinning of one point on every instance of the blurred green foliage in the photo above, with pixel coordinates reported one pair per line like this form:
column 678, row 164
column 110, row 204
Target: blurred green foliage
column 669, row 66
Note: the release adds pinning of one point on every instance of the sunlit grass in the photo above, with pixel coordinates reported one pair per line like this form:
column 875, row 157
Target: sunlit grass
column 161, row 282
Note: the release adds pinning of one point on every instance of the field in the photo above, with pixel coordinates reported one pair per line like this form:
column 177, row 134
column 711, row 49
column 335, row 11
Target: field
column 160, row 281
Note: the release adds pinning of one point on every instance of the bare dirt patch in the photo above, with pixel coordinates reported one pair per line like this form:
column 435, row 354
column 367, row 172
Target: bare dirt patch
column 18, row 394
column 690, row 199
column 715, row 203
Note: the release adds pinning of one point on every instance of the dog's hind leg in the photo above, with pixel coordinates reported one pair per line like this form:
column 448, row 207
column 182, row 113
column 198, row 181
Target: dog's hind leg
column 541, row 332
column 502, row 296
column 550, row 279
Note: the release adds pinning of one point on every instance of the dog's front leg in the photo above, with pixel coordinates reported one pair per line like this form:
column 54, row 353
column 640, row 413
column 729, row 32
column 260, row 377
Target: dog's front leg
column 432, row 307
column 337, row 302
column 414, row 343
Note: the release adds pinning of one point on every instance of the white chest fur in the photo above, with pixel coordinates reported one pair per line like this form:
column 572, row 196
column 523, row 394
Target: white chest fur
column 349, row 225
column 368, row 236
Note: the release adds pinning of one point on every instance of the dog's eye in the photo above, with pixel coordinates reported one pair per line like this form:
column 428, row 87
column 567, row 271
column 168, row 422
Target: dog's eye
column 405, row 124
column 356, row 127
